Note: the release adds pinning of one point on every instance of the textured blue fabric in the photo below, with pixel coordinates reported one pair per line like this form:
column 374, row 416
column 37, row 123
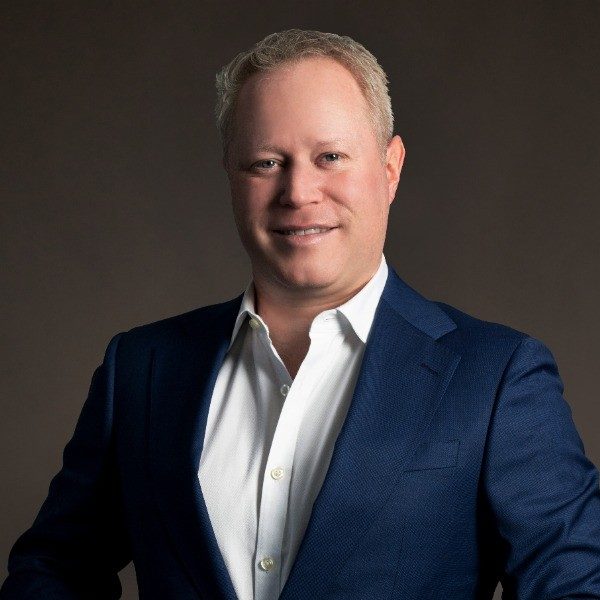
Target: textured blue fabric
column 458, row 465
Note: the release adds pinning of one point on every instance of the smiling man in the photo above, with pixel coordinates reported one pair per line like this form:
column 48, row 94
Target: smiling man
column 329, row 433
column 311, row 180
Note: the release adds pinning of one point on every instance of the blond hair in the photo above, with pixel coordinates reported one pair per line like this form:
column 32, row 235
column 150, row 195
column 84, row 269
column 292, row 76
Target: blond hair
column 295, row 44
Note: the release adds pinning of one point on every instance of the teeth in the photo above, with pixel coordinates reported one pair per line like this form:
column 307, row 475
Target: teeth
column 304, row 231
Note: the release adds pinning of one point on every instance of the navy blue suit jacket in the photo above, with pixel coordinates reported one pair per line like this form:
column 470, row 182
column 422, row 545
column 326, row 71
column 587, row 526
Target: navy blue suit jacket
column 458, row 464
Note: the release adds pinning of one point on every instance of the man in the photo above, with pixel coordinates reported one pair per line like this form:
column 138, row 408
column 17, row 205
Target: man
column 329, row 433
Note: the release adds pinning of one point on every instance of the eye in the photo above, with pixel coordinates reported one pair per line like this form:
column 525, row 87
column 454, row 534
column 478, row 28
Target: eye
column 331, row 159
column 264, row 165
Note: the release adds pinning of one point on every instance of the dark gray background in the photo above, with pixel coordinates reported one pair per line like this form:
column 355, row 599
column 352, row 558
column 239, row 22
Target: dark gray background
column 115, row 210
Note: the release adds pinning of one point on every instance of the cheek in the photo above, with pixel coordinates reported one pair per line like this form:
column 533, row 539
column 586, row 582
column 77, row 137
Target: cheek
column 243, row 217
column 255, row 192
column 247, row 203
column 363, row 194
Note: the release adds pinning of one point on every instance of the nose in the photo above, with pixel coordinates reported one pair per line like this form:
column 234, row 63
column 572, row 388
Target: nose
column 300, row 186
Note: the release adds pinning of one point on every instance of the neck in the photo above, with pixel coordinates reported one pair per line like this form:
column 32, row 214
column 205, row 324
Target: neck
column 289, row 317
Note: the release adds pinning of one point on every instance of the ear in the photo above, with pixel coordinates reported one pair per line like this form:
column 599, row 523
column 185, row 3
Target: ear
column 393, row 164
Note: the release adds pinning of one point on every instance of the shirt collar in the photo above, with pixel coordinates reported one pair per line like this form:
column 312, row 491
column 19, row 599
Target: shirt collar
column 359, row 310
column 246, row 309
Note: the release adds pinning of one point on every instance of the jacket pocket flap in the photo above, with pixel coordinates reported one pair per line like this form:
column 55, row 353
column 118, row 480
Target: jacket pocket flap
column 434, row 455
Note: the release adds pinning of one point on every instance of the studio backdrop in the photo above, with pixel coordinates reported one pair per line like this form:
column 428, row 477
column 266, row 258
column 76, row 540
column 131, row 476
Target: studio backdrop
column 116, row 210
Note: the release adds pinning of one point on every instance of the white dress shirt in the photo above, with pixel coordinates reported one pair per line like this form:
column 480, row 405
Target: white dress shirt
column 269, row 439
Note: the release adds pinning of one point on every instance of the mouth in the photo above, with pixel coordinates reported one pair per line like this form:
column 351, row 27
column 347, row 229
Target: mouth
column 302, row 232
column 302, row 237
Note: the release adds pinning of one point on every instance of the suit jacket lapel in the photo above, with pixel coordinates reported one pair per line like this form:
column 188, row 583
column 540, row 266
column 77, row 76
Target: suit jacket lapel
column 403, row 377
column 184, row 372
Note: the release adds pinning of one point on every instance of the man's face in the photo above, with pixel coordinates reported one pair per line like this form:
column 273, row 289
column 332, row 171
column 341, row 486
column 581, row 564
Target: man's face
column 304, row 155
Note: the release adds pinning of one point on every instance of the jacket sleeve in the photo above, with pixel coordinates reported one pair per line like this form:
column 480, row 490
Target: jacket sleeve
column 542, row 490
column 78, row 542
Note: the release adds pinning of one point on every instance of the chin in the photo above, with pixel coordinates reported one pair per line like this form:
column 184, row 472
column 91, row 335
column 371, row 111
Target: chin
column 305, row 276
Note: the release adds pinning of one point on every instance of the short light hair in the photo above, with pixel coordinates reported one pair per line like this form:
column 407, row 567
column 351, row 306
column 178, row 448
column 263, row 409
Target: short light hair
column 295, row 44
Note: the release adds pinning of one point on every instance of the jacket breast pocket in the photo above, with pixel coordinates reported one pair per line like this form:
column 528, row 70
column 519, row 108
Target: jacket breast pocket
column 434, row 455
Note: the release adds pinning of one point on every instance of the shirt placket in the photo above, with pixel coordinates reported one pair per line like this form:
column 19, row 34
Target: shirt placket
column 276, row 480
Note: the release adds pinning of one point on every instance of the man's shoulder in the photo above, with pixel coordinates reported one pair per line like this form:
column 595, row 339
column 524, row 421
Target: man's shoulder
column 448, row 325
column 197, row 322
column 477, row 335
column 478, row 341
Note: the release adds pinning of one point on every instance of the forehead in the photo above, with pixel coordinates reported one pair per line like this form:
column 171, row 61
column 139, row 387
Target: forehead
column 314, row 70
column 314, row 96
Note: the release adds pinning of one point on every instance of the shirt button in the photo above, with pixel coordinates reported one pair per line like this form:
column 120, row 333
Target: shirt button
column 267, row 563
column 284, row 389
column 277, row 472
column 254, row 323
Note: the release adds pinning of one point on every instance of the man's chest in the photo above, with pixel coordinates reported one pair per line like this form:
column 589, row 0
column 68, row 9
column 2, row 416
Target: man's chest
column 267, row 447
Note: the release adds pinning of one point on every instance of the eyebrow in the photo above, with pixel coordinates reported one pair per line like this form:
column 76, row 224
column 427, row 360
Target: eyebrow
column 265, row 147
